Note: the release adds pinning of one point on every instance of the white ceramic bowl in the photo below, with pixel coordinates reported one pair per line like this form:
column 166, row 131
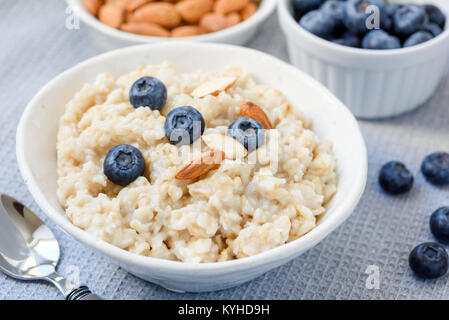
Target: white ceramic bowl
column 372, row 83
column 109, row 38
column 36, row 154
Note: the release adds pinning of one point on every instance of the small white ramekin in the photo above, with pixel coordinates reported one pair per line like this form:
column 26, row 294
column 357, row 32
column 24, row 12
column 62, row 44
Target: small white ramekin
column 110, row 38
column 372, row 83
column 36, row 154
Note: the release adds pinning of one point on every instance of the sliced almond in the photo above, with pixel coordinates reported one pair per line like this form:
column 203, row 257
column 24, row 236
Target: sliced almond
column 201, row 165
column 213, row 87
column 231, row 147
column 253, row 111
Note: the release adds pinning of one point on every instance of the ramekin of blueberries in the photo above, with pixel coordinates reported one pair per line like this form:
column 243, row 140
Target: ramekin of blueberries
column 370, row 24
column 381, row 58
column 429, row 259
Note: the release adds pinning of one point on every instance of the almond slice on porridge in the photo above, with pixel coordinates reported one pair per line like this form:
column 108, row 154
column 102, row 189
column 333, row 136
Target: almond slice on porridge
column 231, row 147
column 253, row 111
column 200, row 165
column 213, row 87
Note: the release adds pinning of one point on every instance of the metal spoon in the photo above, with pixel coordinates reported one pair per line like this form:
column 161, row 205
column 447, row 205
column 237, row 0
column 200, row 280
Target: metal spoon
column 30, row 251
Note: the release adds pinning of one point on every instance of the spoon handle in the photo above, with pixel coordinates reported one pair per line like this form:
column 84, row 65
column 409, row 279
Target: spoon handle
column 82, row 293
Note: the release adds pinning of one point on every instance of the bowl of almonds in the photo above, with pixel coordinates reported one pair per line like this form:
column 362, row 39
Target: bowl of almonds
column 128, row 22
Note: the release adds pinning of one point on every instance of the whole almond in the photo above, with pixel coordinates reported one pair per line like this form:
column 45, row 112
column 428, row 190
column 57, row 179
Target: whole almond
column 249, row 10
column 92, row 6
column 132, row 5
column 185, row 31
column 161, row 13
column 201, row 165
column 231, row 147
column 212, row 22
column 233, row 19
column 213, row 87
column 253, row 111
column 227, row 6
column 112, row 15
column 192, row 10
column 146, row 29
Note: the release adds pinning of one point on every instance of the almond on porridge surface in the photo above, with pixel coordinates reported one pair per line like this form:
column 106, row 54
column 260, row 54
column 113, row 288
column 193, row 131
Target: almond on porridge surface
column 253, row 111
column 231, row 147
column 213, row 87
column 200, row 165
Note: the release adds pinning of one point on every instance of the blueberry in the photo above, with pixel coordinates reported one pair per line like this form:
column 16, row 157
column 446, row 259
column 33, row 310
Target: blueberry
column 184, row 125
column 439, row 224
column 248, row 132
column 417, row 38
column 409, row 19
column 301, row 7
column 355, row 16
column 123, row 164
column 348, row 39
column 395, row 178
column 334, row 8
column 386, row 19
column 435, row 168
column 432, row 28
column 429, row 260
column 319, row 23
column 379, row 39
column 435, row 15
column 148, row 92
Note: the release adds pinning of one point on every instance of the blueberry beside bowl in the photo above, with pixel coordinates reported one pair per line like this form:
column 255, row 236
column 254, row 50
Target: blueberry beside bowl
column 376, row 23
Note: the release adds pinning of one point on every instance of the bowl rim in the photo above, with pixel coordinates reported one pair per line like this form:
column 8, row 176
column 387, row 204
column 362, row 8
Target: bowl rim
column 341, row 213
column 261, row 14
column 290, row 22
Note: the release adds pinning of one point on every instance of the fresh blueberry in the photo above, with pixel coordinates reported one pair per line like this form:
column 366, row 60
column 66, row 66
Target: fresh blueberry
column 184, row 125
column 301, row 7
column 386, row 19
column 319, row 23
column 429, row 260
column 355, row 15
column 348, row 39
column 435, row 15
column 435, row 168
column 395, row 178
column 439, row 224
column 432, row 28
column 248, row 132
column 123, row 164
column 148, row 92
column 379, row 39
column 334, row 8
column 417, row 38
column 409, row 19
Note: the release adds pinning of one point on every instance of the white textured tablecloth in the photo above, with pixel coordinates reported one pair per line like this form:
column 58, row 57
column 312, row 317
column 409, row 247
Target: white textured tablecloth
column 35, row 46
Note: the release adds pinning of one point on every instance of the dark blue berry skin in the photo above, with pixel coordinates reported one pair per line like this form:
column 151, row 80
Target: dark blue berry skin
column 319, row 23
column 429, row 260
column 435, row 15
column 435, row 168
column 334, row 8
column 417, row 38
column 432, row 28
column 380, row 40
column 249, row 132
column 439, row 224
column 408, row 20
column 184, row 125
column 349, row 40
column 124, row 164
column 148, row 92
column 395, row 178
column 301, row 7
column 355, row 17
column 386, row 19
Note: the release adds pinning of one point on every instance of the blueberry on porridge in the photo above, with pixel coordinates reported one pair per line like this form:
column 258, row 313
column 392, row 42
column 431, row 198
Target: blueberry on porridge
column 213, row 199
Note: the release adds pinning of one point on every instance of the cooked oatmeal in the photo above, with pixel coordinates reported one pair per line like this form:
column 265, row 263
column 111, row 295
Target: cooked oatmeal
column 239, row 209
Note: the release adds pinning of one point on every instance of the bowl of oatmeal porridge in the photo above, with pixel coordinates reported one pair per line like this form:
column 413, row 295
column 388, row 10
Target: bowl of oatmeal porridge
column 211, row 212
